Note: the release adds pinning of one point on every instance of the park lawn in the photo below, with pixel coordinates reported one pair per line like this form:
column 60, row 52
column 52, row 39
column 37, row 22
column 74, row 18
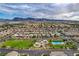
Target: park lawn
column 18, row 44
column 57, row 46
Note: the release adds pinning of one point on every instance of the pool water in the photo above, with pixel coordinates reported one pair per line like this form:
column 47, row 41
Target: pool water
column 57, row 43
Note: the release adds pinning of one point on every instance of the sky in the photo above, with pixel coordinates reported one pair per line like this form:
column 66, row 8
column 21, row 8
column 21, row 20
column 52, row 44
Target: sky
column 67, row 11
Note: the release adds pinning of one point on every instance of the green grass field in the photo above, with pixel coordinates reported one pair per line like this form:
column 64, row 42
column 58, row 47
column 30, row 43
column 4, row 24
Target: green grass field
column 58, row 46
column 18, row 44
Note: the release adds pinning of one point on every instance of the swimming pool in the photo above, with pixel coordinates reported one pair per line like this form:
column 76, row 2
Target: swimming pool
column 57, row 43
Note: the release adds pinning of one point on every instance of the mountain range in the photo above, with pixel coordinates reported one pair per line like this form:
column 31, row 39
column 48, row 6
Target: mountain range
column 39, row 19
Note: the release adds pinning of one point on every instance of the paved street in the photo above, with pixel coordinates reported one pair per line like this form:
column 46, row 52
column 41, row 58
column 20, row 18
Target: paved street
column 30, row 52
column 39, row 52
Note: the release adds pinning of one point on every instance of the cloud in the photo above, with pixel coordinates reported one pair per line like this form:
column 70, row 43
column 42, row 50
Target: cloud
column 67, row 16
column 40, row 10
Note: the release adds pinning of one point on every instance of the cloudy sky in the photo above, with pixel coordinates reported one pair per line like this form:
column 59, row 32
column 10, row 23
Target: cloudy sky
column 67, row 11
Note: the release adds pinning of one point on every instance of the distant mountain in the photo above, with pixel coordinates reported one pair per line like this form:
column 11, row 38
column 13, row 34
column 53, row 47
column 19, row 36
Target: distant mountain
column 36, row 19
column 45, row 19
column 4, row 19
column 39, row 19
column 30, row 19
